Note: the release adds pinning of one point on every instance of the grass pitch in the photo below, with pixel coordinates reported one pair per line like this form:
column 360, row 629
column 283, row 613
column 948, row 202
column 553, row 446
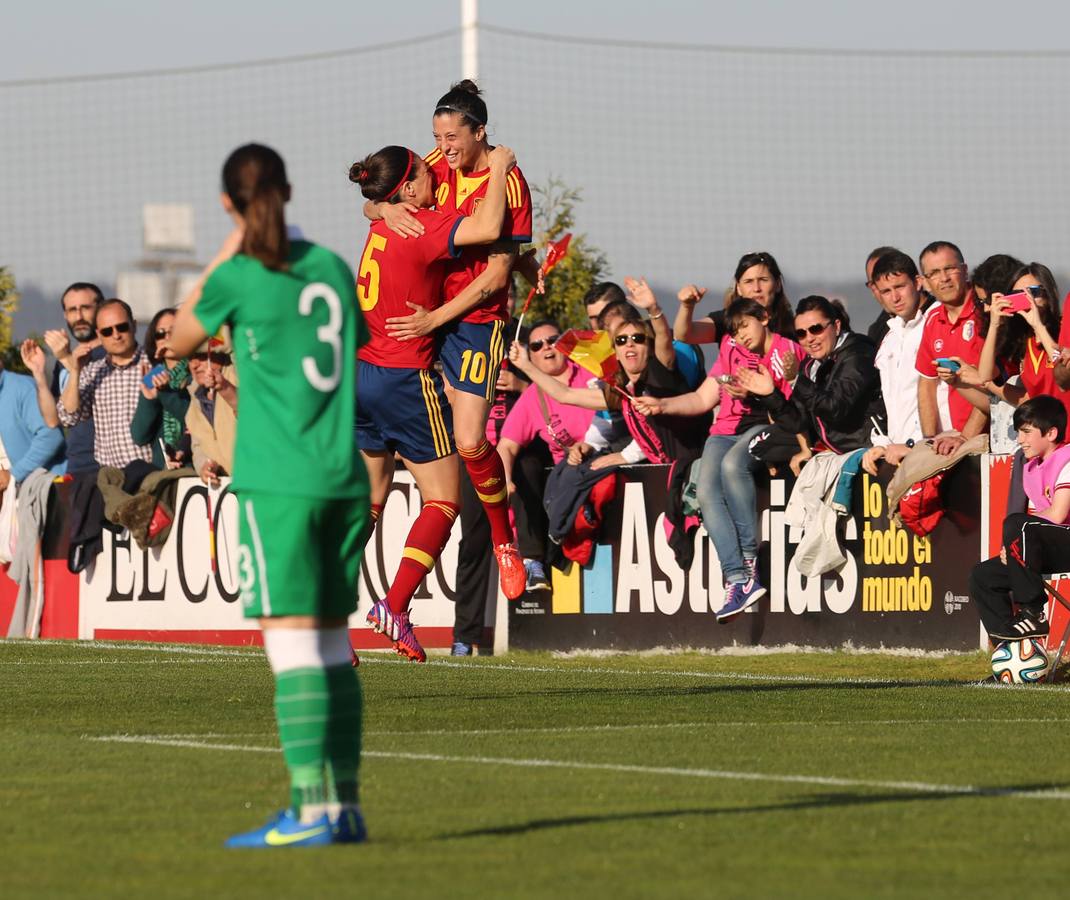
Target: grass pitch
column 818, row 775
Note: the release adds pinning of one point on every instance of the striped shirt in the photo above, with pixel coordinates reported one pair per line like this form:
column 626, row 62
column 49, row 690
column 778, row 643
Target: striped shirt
column 108, row 394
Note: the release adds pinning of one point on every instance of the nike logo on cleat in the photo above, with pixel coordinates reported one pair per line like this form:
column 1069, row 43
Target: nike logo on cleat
column 275, row 838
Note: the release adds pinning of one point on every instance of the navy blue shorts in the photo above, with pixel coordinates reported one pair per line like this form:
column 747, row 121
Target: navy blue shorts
column 471, row 354
column 403, row 410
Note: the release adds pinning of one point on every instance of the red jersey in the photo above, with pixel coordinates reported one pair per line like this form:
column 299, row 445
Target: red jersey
column 1038, row 373
column 395, row 271
column 941, row 339
column 457, row 193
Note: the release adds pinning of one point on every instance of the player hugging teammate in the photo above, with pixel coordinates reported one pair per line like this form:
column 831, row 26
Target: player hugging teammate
column 460, row 178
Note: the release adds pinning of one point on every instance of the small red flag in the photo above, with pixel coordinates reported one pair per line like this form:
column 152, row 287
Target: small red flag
column 555, row 252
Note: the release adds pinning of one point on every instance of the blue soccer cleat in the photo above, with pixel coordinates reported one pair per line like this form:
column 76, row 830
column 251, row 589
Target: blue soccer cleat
column 350, row 829
column 285, row 830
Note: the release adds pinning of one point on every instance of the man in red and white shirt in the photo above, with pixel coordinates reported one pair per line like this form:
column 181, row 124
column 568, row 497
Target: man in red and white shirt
column 952, row 329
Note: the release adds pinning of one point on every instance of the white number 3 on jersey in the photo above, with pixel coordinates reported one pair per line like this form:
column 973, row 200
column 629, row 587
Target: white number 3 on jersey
column 330, row 334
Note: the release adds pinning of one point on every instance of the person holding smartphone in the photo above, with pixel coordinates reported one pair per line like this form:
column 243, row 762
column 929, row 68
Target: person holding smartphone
column 1020, row 339
column 160, row 417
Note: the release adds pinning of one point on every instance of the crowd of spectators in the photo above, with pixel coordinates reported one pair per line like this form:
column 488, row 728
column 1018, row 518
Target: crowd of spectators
column 111, row 405
column 798, row 392
column 783, row 386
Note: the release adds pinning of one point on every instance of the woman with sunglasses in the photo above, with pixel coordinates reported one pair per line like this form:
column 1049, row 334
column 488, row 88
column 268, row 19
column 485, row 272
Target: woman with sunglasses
column 160, row 417
column 726, row 490
column 639, row 374
column 757, row 277
column 540, row 412
column 836, row 399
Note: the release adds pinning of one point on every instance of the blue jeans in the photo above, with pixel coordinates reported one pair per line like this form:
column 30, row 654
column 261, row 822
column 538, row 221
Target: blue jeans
column 727, row 497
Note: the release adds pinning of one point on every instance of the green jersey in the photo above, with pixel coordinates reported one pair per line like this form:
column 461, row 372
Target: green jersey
column 295, row 335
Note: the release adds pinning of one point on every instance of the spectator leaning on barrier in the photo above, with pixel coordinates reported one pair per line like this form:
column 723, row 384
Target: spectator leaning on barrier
column 879, row 328
column 1035, row 542
column 29, row 443
column 953, row 328
column 535, row 415
column 212, row 414
column 80, row 302
column 896, row 280
column 160, row 418
column 107, row 390
column 836, row 397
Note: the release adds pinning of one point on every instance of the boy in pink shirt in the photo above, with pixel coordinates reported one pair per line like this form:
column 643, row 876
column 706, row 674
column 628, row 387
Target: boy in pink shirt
column 1034, row 542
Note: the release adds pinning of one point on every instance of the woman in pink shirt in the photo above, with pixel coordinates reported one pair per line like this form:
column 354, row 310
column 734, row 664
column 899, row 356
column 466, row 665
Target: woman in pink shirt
column 536, row 414
column 726, row 491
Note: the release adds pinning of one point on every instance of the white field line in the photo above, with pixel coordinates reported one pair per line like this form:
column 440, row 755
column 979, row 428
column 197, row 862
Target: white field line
column 366, row 659
column 578, row 765
column 659, row 726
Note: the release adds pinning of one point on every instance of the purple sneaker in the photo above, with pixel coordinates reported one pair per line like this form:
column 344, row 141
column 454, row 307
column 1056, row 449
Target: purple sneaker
column 405, row 642
column 740, row 597
column 382, row 620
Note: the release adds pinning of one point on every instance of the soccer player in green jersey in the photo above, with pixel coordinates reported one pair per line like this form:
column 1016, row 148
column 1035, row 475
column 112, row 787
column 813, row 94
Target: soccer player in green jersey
column 301, row 486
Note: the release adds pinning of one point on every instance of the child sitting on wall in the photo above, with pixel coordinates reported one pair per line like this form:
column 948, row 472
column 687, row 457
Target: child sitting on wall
column 1035, row 542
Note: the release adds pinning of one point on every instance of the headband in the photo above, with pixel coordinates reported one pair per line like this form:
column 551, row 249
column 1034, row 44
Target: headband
column 404, row 177
column 463, row 112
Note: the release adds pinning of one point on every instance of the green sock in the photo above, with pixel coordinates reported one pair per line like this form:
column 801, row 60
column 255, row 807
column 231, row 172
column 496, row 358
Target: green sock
column 343, row 735
column 302, row 704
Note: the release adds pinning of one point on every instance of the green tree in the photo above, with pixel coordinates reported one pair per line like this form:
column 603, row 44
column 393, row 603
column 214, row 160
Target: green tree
column 9, row 304
column 554, row 205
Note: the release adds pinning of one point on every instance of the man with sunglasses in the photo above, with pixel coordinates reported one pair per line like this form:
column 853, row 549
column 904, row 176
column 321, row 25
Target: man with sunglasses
column 212, row 415
column 106, row 390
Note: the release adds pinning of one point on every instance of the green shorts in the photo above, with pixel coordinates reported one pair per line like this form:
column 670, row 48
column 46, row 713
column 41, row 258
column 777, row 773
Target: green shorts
column 299, row 556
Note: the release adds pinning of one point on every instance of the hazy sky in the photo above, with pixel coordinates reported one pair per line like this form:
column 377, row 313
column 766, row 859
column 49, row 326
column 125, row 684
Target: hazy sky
column 686, row 157
column 65, row 37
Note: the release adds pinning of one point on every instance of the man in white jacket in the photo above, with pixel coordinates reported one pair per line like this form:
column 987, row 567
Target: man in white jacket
column 897, row 282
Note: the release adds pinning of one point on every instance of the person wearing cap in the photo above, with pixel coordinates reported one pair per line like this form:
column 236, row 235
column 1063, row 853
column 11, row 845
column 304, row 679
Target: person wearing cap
column 212, row 415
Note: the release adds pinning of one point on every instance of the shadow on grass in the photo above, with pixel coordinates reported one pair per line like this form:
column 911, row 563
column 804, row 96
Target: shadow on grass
column 692, row 691
column 820, row 801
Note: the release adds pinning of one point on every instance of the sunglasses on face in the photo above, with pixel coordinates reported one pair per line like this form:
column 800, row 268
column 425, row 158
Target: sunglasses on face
column 815, row 330
column 121, row 328
column 621, row 339
column 161, row 333
column 536, row 346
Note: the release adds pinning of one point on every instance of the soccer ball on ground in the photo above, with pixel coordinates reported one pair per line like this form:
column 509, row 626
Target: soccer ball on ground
column 1020, row 662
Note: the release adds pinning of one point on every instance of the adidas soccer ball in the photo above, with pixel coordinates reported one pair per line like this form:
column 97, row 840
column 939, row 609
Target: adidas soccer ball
column 1020, row 662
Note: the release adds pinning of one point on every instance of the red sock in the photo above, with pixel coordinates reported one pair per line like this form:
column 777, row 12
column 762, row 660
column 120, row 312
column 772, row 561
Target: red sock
column 488, row 477
column 426, row 539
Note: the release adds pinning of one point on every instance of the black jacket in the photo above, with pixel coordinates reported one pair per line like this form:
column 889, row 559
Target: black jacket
column 837, row 404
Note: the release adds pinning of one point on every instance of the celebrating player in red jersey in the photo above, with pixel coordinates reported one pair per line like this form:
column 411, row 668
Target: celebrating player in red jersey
column 401, row 404
column 473, row 341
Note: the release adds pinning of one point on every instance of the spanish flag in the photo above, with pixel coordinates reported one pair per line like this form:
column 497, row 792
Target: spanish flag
column 591, row 349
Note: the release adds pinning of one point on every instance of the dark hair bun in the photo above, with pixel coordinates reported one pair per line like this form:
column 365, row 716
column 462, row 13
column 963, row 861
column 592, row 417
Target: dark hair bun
column 467, row 85
column 358, row 173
